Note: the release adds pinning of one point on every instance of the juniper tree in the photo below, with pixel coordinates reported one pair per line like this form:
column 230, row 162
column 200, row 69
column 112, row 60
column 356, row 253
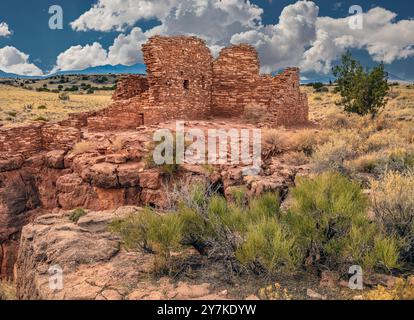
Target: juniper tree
column 363, row 91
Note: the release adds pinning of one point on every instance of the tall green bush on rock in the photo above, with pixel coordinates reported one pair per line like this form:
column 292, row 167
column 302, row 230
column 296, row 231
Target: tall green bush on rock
column 327, row 226
column 362, row 91
column 329, row 220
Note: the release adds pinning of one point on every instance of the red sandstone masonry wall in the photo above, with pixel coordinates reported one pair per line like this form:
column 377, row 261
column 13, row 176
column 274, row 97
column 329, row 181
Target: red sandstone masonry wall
column 121, row 115
column 130, row 86
column 24, row 139
column 33, row 138
column 180, row 77
column 77, row 120
column 289, row 105
column 237, row 83
column 178, row 86
column 184, row 83
column 56, row 137
column 235, row 75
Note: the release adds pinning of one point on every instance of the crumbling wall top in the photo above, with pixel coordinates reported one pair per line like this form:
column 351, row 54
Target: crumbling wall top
column 175, row 57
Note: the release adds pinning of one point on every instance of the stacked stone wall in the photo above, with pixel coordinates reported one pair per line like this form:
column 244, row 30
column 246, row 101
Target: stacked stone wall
column 28, row 140
column 235, row 75
column 179, row 76
column 130, row 86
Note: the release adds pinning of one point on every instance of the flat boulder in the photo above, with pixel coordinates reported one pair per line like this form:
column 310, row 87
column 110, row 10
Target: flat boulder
column 11, row 163
column 55, row 159
column 103, row 175
column 150, row 179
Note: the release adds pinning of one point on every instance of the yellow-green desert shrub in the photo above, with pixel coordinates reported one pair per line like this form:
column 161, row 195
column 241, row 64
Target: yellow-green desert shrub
column 402, row 290
column 368, row 163
column 327, row 225
column 167, row 168
column 333, row 154
column 383, row 140
column 366, row 151
column 393, row 205
column 305, row 141
column 268, row 245
column 151, row 232
column 328, row 218
column 336, row 120
column 274, row 142
column 7, row 290
column 77, row 214
column 211, row 226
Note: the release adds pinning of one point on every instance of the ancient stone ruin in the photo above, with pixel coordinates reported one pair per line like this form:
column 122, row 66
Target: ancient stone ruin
column 185, row 82
column 96, row 160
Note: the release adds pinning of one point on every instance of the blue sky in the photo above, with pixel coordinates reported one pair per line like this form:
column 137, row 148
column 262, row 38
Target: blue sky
column 314, row 43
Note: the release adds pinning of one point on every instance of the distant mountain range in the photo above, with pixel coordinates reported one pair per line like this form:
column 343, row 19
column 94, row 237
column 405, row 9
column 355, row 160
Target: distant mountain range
column 140, row 68
column 326, row 78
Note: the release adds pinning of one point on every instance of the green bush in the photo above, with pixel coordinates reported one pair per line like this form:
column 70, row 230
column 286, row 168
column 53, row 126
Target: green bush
column 329, row 220
column 363, row 91
column 72, row 88
column 153, row 233
column 393, row 205
column 11, row 113
column 327, row 226
column 169, row 169
column 77, row 214
column 42, row 90
column 42, row 119
column 269, row 246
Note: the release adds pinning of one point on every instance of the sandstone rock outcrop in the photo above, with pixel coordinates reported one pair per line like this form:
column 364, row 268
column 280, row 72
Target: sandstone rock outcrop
column 109, row 171
column 94, row 266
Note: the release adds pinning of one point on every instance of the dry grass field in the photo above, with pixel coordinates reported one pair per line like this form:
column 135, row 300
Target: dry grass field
column 21, row 105
column 400, row 107
column 358, row 146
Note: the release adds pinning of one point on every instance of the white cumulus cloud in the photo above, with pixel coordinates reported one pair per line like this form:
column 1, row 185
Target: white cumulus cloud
column 14, row 61
column 127, row 48
column 284, row 44
column 108, row 15
column 82, row 57
column 4, row 29
column 299, row 38
column 381, row 36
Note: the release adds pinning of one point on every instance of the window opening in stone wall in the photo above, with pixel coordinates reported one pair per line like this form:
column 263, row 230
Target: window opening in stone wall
column 186, row 84
column 203, row 82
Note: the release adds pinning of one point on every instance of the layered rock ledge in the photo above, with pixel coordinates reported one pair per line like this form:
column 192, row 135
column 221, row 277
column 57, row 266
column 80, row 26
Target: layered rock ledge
column 94, row 265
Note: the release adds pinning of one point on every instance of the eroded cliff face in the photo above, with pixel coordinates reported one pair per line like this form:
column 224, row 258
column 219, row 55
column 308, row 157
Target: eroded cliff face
column 22, row 191
column 106, row 171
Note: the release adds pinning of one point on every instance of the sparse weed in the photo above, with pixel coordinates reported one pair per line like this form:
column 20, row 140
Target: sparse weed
column 77, row 214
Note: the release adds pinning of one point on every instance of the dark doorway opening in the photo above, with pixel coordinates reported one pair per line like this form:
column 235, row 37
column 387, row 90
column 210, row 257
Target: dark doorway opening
column 186, row 84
